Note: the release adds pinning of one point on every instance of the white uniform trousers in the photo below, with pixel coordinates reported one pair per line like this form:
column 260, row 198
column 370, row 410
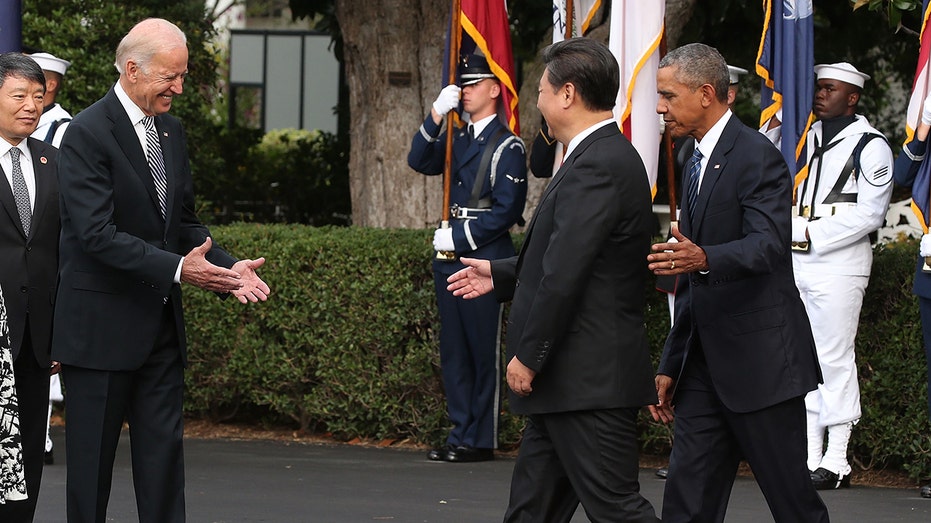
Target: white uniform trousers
column 833, row 304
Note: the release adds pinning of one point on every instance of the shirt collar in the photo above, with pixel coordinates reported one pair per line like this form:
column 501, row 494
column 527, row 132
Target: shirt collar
column 23, row 147
column 479, row 126
column 710, row 140
column 132, row 110
column 577, row 139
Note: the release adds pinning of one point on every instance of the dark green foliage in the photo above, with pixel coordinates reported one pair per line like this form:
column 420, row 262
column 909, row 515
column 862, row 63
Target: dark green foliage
column 894, row 431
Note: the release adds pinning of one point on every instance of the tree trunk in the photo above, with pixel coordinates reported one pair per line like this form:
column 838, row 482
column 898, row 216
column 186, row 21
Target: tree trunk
column 393, row 58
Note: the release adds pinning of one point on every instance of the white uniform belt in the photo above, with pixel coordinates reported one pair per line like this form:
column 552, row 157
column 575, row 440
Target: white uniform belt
column 823, row 210
column 465, row 213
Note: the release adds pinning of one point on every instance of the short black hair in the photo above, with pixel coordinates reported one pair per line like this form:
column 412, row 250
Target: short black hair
column 589, row 66
column 18, row 65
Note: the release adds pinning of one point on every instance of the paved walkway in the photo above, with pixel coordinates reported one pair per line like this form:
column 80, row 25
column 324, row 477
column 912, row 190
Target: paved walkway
column 233, row 481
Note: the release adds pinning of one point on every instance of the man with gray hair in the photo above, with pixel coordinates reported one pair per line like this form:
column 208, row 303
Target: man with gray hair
column 740, row 356
column 129, row 238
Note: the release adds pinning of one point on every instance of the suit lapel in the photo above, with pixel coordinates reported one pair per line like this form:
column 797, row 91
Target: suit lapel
column 8, row 202
column 43, row 171
column 125, row 135
column 716, row 164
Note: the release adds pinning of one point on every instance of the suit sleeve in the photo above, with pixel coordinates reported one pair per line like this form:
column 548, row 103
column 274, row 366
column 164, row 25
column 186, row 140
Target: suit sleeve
column 874, row 190
column 507, row 199
column 86, row 188
column 588, row 207
column 504, row 277
column 427, row 151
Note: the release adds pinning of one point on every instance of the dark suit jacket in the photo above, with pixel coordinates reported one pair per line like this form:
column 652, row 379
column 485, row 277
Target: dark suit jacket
column 579, row 283
column 746, row 309
column 118, row 256
column 30, row 265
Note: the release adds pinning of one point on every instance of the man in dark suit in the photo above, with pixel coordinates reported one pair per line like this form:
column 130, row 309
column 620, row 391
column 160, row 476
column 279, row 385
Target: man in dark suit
column 28, row 259
column 129, row 238
column 740, row 356
column 578, row 363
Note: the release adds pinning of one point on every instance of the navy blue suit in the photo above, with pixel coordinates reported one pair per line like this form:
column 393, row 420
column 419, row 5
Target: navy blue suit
column 469, row 334
column 740, row 350
column 906, row 169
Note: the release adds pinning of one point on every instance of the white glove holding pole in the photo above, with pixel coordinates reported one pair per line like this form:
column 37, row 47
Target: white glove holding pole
column 925, row 248
column 799, row 227
column 443, row 240
column 447, row 100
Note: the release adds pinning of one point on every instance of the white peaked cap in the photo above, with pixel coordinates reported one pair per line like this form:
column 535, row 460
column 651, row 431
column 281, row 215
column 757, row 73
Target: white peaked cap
column 735, row 73
column 841, row 71
column 51, row 63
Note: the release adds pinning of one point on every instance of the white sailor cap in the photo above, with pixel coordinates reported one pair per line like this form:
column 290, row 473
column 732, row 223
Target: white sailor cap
column 735, row 73
column 51, row 63
column 841, row 71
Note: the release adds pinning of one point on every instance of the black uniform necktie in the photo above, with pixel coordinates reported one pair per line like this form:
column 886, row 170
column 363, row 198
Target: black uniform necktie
column 20, row 191
column 153, row 155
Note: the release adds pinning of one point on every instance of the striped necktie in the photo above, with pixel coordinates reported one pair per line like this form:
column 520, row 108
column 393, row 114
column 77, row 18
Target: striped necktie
column 153, row 154
column 694, row 178
column 20, row 191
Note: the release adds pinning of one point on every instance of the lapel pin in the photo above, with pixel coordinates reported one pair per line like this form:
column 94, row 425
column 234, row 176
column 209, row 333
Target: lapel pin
column 43, row 160
column 717, row 166
column 165, row 134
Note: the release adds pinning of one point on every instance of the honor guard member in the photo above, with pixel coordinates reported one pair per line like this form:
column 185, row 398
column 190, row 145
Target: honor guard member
column 487, row 195
column 54, row 119
column 841, row 202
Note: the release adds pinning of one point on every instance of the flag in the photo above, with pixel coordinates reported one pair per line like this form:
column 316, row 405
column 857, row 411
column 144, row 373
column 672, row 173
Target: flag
column 921, row 188
column 582, row 13
column 785, row 61
column 635, row 34
column 486, row 31
column 11, row 26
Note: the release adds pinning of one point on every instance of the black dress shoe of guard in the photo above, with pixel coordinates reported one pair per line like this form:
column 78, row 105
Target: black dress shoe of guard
column 662, row 473
column 824, row 479
column 462, row 454
column 439, row 454
column 926, row 491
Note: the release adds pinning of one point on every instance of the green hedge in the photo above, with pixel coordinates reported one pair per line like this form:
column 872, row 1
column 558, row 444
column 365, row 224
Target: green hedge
column 347, row 345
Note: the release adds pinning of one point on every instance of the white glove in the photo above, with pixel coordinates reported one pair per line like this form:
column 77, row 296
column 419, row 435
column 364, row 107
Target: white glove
column 447, row 100
column 443, row 240
column 799, row 226
column 926, row 111
column 925, row 249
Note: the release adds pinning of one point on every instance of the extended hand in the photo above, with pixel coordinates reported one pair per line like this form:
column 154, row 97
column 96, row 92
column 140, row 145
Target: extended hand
column 197, row 271
column 520, row 377
column 473, row 281
column 662, row 411
column 253, row 288
column 677, row 257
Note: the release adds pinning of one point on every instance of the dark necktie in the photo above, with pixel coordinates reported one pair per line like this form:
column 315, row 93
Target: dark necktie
column 694, row 177
column 20, row 191
column 153, row 155
column 471, row 132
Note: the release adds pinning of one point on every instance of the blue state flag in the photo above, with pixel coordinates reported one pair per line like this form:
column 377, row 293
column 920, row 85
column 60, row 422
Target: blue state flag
column 786, row 63
column 11, row 25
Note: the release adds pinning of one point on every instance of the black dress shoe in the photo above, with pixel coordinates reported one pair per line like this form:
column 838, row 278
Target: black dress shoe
column 824, row 479
column 462, row 454
column 662, row 473
column 439, row 454
column 926, row 491
column 49, row 458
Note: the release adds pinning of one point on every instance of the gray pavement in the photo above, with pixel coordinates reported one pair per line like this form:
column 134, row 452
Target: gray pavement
column 232, row 481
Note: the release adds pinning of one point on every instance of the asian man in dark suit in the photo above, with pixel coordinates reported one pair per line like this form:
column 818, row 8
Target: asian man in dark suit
column 578, row 364
column 28, row 259
column 740, row 356
column 129, row 238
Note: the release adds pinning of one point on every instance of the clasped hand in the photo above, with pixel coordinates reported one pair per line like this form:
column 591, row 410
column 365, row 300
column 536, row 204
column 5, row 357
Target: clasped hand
column 677, row 257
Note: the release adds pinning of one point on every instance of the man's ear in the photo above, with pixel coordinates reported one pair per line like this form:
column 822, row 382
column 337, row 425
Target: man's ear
column 495, row 90
column 708, row 95
column 51, row 84
column 567, row 94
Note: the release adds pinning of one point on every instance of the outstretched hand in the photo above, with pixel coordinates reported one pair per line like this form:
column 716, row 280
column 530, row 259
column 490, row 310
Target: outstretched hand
column 197, row 271
column 678, row 257
column 253, row 288
column 473, row 281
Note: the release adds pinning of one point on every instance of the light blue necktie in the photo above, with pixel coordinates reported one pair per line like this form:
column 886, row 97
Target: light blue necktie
column 694, row 178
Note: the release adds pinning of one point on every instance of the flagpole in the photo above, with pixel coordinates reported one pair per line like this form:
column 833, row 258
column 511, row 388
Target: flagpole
column 570, row 17
column 455, row 37
column 670, row 168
